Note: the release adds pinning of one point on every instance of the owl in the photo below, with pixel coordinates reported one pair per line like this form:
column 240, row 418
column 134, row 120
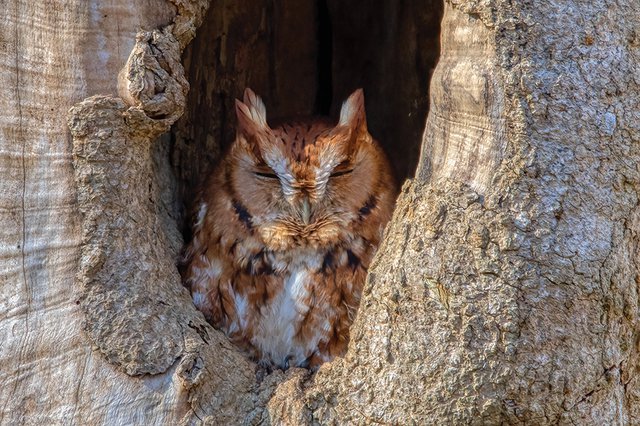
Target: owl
column 285, row 230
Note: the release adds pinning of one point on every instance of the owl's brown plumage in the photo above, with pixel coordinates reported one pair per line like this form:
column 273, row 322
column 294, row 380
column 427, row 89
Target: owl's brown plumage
column 285, row 231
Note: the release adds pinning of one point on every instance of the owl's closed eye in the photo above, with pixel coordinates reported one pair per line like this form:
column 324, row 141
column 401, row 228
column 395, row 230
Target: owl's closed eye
column 286, row 229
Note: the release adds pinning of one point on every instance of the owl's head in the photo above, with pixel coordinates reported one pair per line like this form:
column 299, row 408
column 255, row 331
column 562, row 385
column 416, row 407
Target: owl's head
column 306, row 183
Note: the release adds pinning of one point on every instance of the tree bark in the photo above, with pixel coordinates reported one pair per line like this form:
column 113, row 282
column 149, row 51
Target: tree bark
column 54, row 54
column 505, row 291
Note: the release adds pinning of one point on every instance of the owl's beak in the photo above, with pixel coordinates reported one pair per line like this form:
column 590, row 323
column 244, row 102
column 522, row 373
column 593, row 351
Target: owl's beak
column 306, row 210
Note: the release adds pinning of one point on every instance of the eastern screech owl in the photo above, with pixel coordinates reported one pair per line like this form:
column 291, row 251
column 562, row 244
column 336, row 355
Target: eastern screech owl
column 285, row 231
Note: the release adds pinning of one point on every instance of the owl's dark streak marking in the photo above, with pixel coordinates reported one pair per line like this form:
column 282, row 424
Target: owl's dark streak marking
column 258, row 265
column 327, row 263
column 266, row 269
column 353, row 260
column 223, row 312
column 232, row 249
column 243, row 214
column 265, row 296
column 251, row 267
column 368, row 206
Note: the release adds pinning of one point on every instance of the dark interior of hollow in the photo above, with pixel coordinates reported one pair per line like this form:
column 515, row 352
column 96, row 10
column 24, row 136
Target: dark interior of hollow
column 304, row 57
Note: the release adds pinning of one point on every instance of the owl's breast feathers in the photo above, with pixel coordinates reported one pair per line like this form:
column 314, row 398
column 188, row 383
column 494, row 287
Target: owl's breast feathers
column 287, row 307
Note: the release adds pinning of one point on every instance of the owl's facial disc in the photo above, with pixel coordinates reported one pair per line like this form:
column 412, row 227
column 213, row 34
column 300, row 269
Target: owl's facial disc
column 304, row 183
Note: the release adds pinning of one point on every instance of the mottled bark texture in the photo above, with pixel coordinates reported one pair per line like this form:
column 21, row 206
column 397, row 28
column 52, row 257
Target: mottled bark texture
column 505, row 292
column 507, row 287
column 53, row 54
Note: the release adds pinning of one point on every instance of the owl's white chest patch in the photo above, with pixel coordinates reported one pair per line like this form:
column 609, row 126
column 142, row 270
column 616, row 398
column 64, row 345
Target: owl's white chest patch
column 279, row 321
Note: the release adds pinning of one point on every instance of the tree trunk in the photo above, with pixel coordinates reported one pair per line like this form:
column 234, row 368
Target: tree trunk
column 54, row 54
column 506, row 288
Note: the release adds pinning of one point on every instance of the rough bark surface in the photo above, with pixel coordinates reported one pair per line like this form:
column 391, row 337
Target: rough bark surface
column 506, row 290
column 53, row 55
column 136, row 311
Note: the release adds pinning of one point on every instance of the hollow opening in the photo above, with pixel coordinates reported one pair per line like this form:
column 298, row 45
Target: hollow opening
column 304, row 57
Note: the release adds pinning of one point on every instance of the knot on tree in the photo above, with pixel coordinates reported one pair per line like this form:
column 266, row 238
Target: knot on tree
column 153, row 78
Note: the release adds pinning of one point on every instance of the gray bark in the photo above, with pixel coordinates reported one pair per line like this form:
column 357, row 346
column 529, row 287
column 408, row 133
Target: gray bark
column 55, row 54
column 506, row 289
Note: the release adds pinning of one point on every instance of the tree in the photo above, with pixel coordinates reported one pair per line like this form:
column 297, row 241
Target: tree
column 506, row 289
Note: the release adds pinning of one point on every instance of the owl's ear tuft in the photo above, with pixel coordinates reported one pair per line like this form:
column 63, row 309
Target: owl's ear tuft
column 352, row 113
column 252, row 115
column 252, row 122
